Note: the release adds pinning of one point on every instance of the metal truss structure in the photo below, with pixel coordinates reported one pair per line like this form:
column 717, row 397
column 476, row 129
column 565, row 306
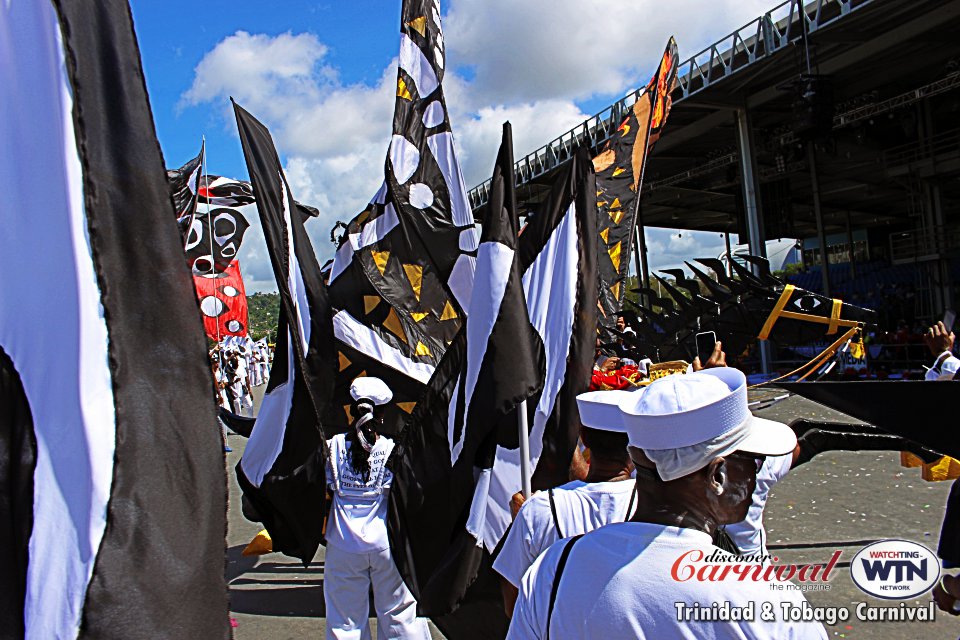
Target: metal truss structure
column 762, row 37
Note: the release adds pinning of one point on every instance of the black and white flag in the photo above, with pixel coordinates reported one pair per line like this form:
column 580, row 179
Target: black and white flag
column 439, row 497
column 112, row 490
column 216, row 230
column 282, row 469
column 401, row 278
column 558, row 259
column 184, row 189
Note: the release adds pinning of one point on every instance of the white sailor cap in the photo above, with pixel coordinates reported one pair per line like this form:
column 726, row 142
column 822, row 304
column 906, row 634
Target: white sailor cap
column 373, row 389
column 601, row 409
column 683, row 422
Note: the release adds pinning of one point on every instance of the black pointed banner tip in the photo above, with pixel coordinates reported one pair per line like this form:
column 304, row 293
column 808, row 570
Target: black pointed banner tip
column 917, row 410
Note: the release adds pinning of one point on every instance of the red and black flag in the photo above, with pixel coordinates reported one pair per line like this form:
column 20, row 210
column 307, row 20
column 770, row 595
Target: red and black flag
column 223, row 302
column 184, row 189
column 401, row 278
column 444, row 464
column 620, row 166
column 282, row 469
column 108, row 439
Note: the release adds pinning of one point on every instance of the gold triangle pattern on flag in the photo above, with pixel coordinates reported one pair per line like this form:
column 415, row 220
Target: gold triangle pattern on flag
column 402, row 91
column 415, row 276
column 392, row 324
column 419, row 25
column 344, row 362
column 423, row 350
column 618, row 171
column 370, row 303
column 417, row 317
column 614, row 252
column 626, row 129
column 380, row 259
column 406, row 407
column 605, row 234
column 448, row 312
column 615, row 204
column 616, row 216
column 616, row 290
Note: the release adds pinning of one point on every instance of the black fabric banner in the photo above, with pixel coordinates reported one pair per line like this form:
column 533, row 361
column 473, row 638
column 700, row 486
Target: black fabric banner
column 290, row 497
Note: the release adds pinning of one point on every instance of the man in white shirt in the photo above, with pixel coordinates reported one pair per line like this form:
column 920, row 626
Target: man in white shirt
column 606, row 495
column 697, row 449
column 939, row 340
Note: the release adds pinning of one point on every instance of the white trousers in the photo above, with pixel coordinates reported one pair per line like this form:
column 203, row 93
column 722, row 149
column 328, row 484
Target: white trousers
column 346, row 592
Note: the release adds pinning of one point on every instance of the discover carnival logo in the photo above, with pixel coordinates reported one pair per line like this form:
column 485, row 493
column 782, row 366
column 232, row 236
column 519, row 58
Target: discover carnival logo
column 895, row 569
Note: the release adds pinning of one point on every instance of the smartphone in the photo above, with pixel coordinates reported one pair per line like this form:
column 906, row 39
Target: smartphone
column 706, row 342
column 949, row 316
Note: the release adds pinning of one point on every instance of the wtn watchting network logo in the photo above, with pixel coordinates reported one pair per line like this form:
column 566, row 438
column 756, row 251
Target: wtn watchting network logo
column 895, row 569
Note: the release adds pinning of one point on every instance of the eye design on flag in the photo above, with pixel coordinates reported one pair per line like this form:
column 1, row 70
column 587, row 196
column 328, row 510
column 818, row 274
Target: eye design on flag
column 807, row 303
column 212, row 306
column 194, row 235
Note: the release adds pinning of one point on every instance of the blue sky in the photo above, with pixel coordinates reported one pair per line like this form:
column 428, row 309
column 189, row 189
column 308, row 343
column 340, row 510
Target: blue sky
column 321, row 75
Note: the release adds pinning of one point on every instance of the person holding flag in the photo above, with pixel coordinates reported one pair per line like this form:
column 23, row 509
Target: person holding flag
column 358, row 551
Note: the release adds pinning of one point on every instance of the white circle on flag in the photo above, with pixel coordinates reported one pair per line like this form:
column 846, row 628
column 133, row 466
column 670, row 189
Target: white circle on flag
column 230, row 291
column 433, row 115
column 421, row 196
column 211, row 306
column 405, row 158
column 234, row 326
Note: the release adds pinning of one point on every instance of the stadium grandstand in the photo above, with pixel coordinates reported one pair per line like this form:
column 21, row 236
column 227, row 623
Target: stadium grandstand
column 832, row 122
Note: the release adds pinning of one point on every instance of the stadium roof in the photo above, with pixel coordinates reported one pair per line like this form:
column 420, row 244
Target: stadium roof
column 884, row 59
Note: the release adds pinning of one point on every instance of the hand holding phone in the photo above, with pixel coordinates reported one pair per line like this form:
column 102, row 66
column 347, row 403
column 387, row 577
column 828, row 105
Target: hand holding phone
column 706, row 342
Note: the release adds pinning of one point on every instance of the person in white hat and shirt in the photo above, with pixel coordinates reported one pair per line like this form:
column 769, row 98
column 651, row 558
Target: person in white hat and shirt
column 697, row 450
column 358, row 552
column 606, row 495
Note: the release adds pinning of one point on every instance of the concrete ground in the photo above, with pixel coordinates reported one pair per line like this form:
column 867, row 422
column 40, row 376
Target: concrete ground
column 838, row 501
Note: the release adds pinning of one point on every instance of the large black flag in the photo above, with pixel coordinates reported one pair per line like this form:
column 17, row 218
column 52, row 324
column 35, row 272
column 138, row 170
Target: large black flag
column 620, row 167
column 282, row 469
column 401, row 278
column 112, row 491
column 438, row 501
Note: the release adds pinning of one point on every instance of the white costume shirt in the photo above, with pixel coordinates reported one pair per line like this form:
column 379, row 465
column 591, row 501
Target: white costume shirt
column 944, row 367
column 581, row 507
column 358, row 515
column 749, row 535
column 617, row 584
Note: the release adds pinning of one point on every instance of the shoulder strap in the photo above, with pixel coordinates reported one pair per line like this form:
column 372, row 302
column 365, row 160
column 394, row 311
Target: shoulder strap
column 561, row 563
column 553, row 512
column 633, row 498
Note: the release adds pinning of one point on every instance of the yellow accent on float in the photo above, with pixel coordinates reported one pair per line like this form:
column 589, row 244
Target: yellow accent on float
column 344, row 362
column 448, row 312
column 615, row 255
column 406, row 407
column 423, row 350
column 402, row 91
column 262, row 543
column 946, row 468
column 415, row 276
column 417, row 317
column 616, row 216
column 419, row 25
column 380, row 259
column 625, row 128
column 370, row 303
column 392, row 324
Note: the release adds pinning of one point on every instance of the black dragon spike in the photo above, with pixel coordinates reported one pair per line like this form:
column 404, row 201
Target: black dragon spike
column 675, row 293
column 719, row 292
column 716, row 265
column 763, row 267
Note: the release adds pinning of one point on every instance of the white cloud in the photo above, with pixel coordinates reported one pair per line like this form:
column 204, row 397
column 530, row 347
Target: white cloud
column 532, row 63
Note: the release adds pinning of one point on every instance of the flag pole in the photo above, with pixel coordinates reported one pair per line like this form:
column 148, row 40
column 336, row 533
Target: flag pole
column 524, row 449
column 213, row 269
